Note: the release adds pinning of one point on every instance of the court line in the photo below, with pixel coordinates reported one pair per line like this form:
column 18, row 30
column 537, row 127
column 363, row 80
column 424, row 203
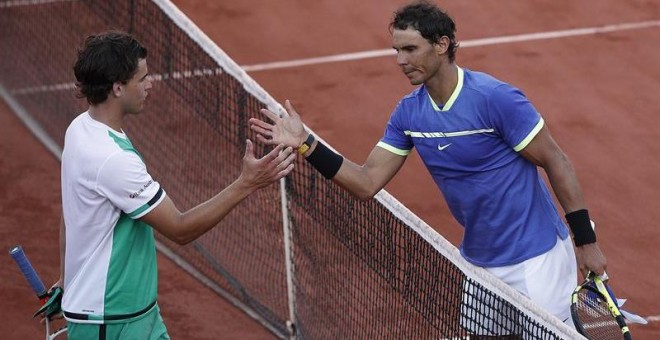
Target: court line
column 368, row 54
column 154, row 77
column 463, row 44
column 17, row 3
column 653, row 318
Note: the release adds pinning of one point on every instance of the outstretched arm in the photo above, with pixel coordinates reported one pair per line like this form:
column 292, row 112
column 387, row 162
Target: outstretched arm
column 544, row 152
column 257, row 173
column 363, row 181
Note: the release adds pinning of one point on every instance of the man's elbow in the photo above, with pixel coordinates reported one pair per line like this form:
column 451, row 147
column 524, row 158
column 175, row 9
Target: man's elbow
column 180, row 239
column 178, row 235
column 365, row 194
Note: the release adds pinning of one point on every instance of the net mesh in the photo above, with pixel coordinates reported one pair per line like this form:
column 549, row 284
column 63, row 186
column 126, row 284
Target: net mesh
column 360, row 269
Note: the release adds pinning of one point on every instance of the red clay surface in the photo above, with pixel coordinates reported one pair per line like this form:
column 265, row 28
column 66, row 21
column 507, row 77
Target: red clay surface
column 598, row 95
column 30, row 208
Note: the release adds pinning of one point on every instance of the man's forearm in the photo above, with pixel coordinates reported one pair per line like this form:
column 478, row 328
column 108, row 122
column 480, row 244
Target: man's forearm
column 567, row 189
column 565, row 185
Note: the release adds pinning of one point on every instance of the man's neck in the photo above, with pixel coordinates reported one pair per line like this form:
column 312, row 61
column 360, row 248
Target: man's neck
column 108, row 114
column 442, row 85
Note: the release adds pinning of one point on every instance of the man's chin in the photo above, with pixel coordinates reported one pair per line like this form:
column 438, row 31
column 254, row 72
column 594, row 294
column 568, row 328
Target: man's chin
column 136, row 111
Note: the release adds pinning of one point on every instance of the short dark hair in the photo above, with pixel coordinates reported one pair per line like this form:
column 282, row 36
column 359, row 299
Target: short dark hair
column 432, row 23
column 104, row 59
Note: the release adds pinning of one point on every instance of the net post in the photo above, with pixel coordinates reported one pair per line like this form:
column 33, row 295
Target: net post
column 288, row 260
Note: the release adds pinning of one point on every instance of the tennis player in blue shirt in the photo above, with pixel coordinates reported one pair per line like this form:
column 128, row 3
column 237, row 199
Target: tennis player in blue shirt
column 482, row 141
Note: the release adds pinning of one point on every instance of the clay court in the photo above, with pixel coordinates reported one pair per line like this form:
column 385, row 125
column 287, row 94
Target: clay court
column 595, row 80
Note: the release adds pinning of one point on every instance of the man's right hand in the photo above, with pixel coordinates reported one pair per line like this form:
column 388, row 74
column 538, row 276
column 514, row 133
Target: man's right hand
column 55, row 311
column 260, row 172
column 590, row 258
column 287, row 130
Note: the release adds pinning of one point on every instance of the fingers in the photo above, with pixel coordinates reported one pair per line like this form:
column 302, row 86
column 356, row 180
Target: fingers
column 269, row 157
column 261, row 131
column 289, row 159
column 271, row 115
column 263, row 140
column 286, row 171
column 584, row 271
column 273, row 154
column 276, row 164
column 289, row 165
column 290, row 109
column 260, row 124
column 249, row 149
column 284, row 163
column 282, row 159
column 599, row 270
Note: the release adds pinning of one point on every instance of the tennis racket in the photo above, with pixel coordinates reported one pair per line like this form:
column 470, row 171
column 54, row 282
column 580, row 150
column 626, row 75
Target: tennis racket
column 37, row 286
column 594, row 312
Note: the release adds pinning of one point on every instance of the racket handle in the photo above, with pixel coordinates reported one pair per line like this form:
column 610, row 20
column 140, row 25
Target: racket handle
column 624, row 329
column 28, row 271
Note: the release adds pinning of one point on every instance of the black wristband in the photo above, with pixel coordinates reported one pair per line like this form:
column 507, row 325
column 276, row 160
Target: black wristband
column 580, row 225
column 326, row 161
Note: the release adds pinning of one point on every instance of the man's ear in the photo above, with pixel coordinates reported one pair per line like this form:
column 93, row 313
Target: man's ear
column 442, row 46
column 117, row 89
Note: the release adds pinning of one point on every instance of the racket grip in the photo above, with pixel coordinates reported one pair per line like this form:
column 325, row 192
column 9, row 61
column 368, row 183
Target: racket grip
column 28, row 271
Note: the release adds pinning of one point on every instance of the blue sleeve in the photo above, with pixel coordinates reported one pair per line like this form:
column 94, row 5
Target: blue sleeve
column 397, row 133
column 515, row 118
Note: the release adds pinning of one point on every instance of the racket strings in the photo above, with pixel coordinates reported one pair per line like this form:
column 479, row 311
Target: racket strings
column 595, row 317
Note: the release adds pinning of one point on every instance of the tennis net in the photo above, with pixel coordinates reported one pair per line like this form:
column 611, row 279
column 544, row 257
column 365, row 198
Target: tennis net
column 304, row 258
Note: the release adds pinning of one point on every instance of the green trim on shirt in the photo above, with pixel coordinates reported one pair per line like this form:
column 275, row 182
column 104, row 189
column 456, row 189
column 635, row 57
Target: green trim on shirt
column 124, row 143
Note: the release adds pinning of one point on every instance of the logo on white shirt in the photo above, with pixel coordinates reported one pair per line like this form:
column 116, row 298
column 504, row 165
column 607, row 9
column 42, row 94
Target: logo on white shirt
column 144, row 187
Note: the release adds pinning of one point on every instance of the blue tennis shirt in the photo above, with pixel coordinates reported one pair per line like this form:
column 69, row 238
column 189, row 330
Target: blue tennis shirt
column 470, row 146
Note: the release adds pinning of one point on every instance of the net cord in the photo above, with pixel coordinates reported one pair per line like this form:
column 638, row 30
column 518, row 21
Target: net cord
column 478, row 274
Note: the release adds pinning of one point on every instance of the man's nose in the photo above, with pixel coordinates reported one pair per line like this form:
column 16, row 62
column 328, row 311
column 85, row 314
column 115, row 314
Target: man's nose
column 401, row 59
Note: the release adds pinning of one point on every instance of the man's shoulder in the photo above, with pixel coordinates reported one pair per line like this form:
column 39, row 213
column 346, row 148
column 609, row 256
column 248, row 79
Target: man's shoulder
column 486, row 86
column 92, row 144
column 481, row 81
column 76, row 123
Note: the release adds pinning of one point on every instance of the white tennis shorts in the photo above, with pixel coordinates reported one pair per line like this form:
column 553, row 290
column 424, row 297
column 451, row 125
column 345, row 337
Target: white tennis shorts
column 547, row 279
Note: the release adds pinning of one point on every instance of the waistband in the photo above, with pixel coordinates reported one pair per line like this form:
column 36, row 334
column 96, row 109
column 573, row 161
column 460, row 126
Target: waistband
column 108, row 318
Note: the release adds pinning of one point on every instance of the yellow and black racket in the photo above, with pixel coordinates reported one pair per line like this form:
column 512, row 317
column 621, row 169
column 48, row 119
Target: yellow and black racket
column 595, row 313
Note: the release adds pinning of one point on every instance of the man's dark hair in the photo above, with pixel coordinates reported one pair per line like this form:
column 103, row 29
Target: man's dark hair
column 104, row 59
column 432, row 23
